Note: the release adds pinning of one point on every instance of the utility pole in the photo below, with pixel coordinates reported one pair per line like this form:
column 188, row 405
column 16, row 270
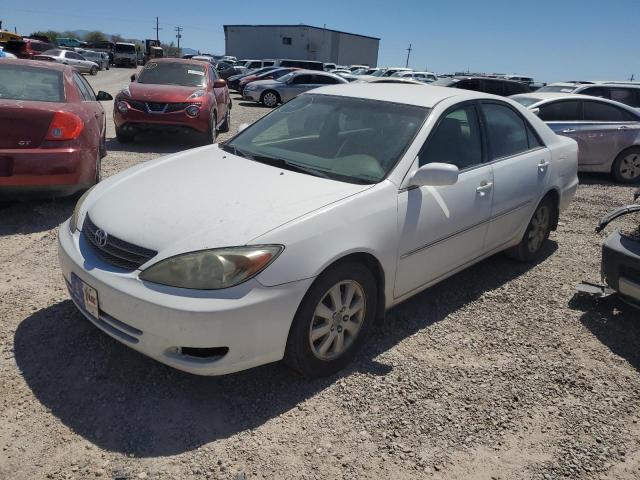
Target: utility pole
column 179, row 35
column 157, row 29
column 408, row 55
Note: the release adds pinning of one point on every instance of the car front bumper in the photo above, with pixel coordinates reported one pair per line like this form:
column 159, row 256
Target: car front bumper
column 621, row 265
column 250, row 320
column 136, row 120
column 253, row 95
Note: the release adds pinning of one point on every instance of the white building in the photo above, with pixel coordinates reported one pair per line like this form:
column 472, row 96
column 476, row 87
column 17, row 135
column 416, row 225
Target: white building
column 300, row 42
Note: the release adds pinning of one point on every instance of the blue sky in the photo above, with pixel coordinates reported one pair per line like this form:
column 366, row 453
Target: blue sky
column 551, row 40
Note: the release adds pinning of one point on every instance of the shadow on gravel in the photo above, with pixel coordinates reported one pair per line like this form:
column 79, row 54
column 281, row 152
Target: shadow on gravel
column 252, row 105
column 34, row 216
column 591, row 178
column 154, row 143
column 614, row 323
column 125, row 402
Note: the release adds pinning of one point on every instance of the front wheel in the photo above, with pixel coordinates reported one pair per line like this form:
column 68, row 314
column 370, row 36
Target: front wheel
column 226, row 125
column 93, row 71
column 626, row 167
column 211, row 134
column 332, row 321
column 537, row 233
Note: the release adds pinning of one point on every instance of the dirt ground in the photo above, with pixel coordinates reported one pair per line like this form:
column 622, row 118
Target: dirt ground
column 496, row 373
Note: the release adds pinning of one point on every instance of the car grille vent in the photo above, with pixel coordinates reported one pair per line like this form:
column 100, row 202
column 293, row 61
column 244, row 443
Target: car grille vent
column 114, row 251
column 154, row 107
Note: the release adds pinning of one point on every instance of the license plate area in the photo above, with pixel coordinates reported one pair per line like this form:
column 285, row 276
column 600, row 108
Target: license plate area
column 85, row 295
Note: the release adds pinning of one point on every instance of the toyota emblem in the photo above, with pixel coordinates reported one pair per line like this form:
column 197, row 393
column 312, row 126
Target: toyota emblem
column 100, row 237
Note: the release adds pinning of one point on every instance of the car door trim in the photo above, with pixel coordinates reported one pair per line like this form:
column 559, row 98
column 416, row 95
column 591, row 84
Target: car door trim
column 466, row 229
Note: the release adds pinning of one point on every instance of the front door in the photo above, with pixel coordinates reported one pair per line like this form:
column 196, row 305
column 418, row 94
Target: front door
column 443, row 228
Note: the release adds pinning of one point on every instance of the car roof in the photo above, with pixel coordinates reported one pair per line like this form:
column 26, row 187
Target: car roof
column 547, row 96
column 37, row 64
column 185, row 61
column 608, row 84
column 422, row 96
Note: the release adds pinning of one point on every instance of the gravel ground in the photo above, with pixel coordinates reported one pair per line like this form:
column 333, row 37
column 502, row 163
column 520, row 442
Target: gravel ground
column 496, row 373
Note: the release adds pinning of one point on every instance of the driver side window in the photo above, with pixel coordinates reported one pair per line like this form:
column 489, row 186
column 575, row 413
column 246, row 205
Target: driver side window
column 456, row 140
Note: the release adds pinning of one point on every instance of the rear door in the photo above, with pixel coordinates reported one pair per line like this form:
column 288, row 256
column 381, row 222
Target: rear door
column 564, row 117
column 91, row 111
column 299, row 83
column 520, row 171
column 607, row 131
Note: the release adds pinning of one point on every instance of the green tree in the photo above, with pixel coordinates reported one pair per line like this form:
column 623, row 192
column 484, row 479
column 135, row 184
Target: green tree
column 50, row 34
column 95, row 36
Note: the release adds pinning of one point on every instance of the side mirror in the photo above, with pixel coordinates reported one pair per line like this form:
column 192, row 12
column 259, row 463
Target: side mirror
column 435, row 175
column 242, row 127
column 219, row 83
column 535, row 111
column 103, row 96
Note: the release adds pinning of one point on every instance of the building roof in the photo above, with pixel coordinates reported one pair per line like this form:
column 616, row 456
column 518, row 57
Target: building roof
column 302, row 25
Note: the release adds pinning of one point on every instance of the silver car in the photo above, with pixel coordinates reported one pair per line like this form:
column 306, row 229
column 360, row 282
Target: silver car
column 67, row 57
column 623, row 92
column 272, row 92
column 101, row 58
column 607, row 132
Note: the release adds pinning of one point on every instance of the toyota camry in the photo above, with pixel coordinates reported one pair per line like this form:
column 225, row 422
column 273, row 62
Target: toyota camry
column 291, row 238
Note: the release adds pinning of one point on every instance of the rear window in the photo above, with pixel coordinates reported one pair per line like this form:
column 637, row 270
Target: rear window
column 27, row 83
column 14, row 46
column 123, row 48
column 40, row 47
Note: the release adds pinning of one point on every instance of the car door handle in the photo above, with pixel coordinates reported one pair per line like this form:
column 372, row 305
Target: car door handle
column 568, row 130
column 484, row 187
column 543, row 164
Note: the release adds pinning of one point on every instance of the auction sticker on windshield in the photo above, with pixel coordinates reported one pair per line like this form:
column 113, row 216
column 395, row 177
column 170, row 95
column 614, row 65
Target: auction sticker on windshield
column 196, row 72
column 85, row 296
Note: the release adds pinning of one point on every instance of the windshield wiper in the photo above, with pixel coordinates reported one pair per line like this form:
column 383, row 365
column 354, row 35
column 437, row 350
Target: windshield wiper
column 276, row 162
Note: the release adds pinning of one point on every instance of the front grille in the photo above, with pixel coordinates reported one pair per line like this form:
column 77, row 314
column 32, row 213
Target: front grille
column 155, row 107
column 116, row 252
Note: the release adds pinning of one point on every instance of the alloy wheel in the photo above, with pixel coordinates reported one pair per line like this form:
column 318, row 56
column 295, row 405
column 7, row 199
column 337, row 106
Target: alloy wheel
column 337, row 320
column 270, row 99
column 630, row 166
column 540, row 224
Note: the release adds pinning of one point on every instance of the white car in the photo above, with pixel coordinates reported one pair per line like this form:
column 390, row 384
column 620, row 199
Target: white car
column 289, row 239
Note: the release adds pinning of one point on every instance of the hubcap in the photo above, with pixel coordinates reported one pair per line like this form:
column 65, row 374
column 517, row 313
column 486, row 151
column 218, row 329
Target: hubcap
column 337, row 320
column 270, row 99
column 539, row 227
column 630, row 166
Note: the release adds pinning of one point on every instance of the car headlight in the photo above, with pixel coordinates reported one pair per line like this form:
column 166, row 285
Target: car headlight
column 196, row 94
column 125, row 91
column 123, row 107
column 212, row 269
column 250, row 86
column 73, row 223
column 193, row 110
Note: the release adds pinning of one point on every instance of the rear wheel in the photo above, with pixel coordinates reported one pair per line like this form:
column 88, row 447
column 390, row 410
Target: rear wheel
column 123, row 137
column 226, row 125
column 332, row 321
column 626, row 167
column 270, row 99
column 536, row 234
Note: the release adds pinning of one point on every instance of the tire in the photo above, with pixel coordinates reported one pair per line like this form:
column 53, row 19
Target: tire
column 93, row 71
column 226, row 125
column 123, row 137
column 323, row 355
column 270, row 99
column 537, row 233
column 98, row 177
column 210, row 136
column 626, row 166
column 103, row 146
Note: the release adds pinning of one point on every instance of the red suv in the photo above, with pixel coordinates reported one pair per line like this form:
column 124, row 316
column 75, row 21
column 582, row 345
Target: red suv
column 27, row 47
column 173, row 95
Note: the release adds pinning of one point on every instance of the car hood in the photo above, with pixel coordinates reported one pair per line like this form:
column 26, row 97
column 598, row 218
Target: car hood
column 160, row 93
column 206, row 198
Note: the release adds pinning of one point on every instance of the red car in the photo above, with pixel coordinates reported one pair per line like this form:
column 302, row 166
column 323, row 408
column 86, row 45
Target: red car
column 173, row 95
column 52, row 129
column 27, row 47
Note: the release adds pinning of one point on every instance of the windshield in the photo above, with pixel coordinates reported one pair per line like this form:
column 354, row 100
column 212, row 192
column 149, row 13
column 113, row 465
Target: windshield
column 526, row 101
column 28, row 83
column 185, row 74
column 347, row 139
column 53, row 53
column 378, row 73
column 124, row 48
column 557, row 88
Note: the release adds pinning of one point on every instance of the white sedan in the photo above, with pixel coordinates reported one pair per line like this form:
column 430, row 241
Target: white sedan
column 291, row 238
